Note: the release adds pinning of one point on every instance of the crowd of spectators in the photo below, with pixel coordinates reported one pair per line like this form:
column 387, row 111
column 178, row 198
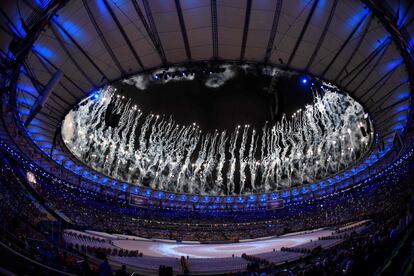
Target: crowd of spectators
column 91, row 212
column 21, row 234
column 382, row 201
column 105, row 251
column 360, row 254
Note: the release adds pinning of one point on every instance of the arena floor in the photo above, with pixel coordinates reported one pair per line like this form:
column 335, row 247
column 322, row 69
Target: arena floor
column 195, row 250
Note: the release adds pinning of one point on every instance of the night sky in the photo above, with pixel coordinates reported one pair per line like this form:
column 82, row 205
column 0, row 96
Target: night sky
column 241, row 100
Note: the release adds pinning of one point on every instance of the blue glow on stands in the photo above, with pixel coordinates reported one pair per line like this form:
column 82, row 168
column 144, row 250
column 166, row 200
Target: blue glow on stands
column 398, row 126
column 73, row 29
column 26, row 88
column 101, row 6
column 403, row 107
column 124, row 187
column 403, row 95
column 252, row 198
column 393, row 64
column 353, row 21
column 320, row 8
column 44, row 51
column 381, row 42
column 25, row 100
column 322, row 3
column 401, row 118
column 410, row 45
column 18, row 28
column 401, row 19
column 42, row 3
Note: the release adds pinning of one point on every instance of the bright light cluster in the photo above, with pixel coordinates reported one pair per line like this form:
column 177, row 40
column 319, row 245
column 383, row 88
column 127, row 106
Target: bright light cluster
column 318, row 141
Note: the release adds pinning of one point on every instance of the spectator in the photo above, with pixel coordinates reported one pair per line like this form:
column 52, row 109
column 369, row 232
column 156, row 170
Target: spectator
column 104, row 268
column 122, row 271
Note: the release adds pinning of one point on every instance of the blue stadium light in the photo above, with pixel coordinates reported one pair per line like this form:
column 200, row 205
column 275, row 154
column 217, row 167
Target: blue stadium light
column 274, row 196
column 43, row 51
column 403, row 95
column 304, row 80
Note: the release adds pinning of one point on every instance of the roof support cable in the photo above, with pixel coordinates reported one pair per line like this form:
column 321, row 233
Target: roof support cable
column 70, row 56
column 343, row 45
column 364, row 79
column 153, row 36
column 246, row 29
column 153, row 26
column 357, row 70
column 214, row 28
column 183, row 29
column 375, row 113
column 123, row 33
column 273, row 31
column 102, row 37
column 80, row 49
column 383, row 80
column 42, row 61
column 302, row 33
column 323, row 35
column 387, row 95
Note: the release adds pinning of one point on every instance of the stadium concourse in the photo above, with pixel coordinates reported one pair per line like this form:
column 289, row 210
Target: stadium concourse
column 208, row 137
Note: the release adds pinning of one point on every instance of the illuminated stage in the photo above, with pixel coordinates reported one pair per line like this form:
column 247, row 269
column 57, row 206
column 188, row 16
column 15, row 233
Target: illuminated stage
column 196, row 250
column 210, row 258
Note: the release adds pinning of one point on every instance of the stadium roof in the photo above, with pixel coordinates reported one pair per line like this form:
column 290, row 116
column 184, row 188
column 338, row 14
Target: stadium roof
column 365, row 47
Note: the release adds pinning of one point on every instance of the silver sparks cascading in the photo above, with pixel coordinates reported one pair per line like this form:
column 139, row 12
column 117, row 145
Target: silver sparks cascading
column 318, row 141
